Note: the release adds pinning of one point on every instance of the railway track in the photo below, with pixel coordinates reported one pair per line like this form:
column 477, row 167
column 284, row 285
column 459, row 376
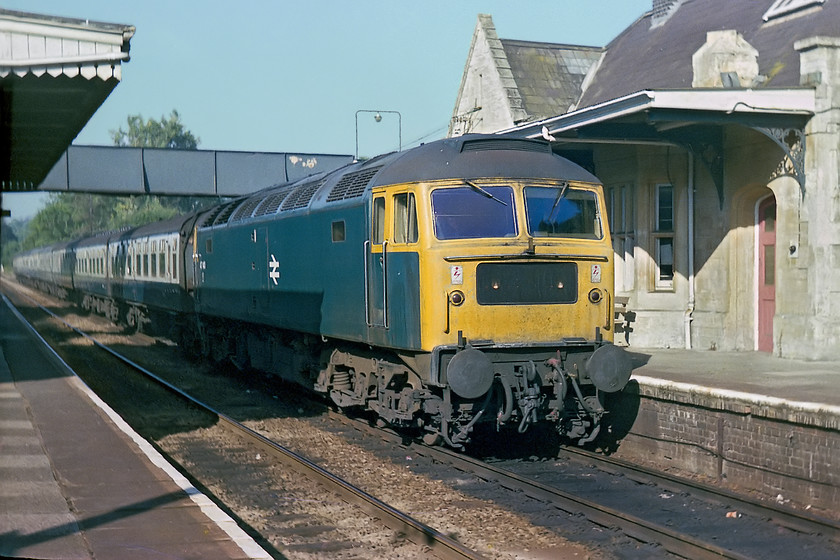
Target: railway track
column 667, row 538
column 779, row 531
column 429, row 541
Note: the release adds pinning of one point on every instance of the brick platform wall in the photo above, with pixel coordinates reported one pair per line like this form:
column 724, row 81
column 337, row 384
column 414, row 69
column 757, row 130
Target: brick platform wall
column 780, row 450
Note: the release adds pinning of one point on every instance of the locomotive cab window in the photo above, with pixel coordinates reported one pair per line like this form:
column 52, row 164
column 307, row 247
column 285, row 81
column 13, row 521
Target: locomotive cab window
column 474, row 212
column 377, row 235
column 562, row 211
column 405, row 218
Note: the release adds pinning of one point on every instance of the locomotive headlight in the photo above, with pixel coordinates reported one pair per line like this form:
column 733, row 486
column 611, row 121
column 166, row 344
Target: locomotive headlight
column 495, row 284
column 456, row 298
column 595, row 295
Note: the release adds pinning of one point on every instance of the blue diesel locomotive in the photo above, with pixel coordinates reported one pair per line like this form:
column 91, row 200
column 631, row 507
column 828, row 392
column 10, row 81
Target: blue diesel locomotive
column 465, row 281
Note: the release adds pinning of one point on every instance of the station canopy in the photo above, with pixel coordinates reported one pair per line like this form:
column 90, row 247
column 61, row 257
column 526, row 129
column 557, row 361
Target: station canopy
column 55, row 72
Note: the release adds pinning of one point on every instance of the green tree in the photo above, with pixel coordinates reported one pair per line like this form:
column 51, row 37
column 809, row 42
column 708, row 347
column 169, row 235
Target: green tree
column 138, row 210
column 165, row 133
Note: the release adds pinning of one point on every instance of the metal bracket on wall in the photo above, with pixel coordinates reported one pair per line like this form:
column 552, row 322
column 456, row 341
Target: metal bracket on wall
column 710, row 153
column 792, row 143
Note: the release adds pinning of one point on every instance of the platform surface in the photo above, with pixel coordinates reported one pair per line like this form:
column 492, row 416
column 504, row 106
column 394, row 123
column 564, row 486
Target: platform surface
column 755, row 373
column 77, row 483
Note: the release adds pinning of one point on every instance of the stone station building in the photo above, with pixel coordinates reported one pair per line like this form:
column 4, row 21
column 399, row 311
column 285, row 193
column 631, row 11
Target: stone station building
column 715, row 127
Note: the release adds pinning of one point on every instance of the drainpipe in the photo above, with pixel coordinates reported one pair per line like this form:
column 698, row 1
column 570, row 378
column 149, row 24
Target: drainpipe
column 691, row 296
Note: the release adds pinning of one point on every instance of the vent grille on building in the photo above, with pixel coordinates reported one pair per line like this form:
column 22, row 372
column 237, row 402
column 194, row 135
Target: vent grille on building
column 662, row 10
column 783, row 7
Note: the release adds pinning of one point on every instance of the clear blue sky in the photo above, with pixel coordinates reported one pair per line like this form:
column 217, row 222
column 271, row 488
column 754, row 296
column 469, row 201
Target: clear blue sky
column 283, row 76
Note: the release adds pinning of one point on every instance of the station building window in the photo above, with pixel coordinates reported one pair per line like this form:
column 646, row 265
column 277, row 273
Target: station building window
column 663, row 237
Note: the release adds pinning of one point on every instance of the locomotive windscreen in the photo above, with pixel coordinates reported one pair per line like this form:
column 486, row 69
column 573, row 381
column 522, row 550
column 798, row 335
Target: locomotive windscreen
column 562, row 212
column 474, row 212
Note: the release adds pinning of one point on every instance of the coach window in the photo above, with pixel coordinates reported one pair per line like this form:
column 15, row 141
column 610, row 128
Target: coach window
column 405, row 218
column 154, row 271
column 663, row 237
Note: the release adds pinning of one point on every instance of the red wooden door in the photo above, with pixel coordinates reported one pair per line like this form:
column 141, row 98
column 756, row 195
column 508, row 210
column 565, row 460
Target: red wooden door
column 766, row 273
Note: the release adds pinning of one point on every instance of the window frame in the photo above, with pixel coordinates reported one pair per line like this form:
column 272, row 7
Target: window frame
column 663, row 234
column 406, row 230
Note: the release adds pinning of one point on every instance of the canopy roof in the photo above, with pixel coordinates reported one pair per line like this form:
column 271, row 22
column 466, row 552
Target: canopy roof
column 54, row 73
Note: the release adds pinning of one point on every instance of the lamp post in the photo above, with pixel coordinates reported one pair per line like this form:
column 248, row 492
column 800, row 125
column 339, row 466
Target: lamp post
column 378, row 118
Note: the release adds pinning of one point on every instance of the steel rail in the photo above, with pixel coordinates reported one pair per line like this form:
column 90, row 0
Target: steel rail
column 639, row 529
column 416, row 531
column 786, row 517
column 675, row 542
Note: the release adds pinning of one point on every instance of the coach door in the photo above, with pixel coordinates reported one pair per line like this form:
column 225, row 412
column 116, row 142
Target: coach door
column 376, row 269
column 766, row 272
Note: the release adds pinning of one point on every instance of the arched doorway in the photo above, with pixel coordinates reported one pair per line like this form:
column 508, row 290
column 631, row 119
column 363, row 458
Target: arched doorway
column 765, row 246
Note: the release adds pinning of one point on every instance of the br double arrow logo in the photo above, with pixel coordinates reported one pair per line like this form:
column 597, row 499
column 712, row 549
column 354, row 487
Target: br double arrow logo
column 274, row 269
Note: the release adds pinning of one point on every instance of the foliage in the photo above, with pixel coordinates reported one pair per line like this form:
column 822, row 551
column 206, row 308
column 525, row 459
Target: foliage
column 10, row 234
column 165, row 133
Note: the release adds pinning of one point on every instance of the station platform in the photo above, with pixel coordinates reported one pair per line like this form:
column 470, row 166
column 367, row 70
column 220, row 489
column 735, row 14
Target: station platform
column 799, row 391
column 76, row 482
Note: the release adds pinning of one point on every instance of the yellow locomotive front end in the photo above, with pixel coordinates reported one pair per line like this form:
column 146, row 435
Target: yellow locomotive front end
column 534, row 265
column 517, row 291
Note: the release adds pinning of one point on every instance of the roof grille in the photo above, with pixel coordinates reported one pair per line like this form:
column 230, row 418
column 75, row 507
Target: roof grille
column 271, row 203
column 246, row 209
column 208, row 218
column 300, row 196
column 352, row 185
column 506, row 144
column 227, row 211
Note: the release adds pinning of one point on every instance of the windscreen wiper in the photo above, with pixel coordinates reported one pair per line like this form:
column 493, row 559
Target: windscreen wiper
column 557, row 200
column 483, row 192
